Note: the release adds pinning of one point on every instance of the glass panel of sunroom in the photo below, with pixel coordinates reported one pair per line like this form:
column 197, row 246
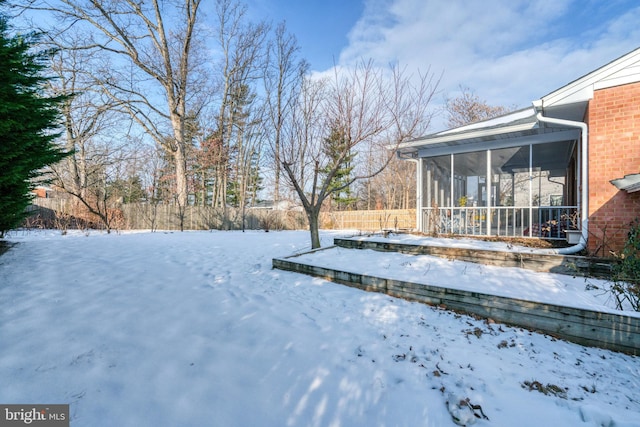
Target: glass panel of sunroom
column 510, row 169
column 550, row 165
column 470, row 175
column 471, row 194
column 436, row 191
column 437, row 181
column 510, row 191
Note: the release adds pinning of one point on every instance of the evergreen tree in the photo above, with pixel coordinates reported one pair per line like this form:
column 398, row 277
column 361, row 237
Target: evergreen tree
column 338, row 151
column 28, row 120
column 127, row 190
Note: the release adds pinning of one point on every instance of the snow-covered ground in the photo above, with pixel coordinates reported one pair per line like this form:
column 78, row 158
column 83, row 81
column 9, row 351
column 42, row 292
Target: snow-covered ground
column 509, row 282
column 197, row 329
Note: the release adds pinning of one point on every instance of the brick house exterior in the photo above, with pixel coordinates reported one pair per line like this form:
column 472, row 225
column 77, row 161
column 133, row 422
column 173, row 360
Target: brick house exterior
column 567, row 166
column 613, row 118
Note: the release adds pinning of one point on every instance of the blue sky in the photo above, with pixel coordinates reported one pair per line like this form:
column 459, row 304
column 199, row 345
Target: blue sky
column 509, row 51
column 321, row 26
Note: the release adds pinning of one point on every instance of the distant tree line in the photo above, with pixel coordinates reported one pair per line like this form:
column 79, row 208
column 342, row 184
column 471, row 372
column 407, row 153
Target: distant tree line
column 191, row 103
column 187, row 102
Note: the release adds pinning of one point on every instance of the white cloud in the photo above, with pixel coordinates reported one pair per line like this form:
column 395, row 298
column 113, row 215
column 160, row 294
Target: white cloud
column 509, row 52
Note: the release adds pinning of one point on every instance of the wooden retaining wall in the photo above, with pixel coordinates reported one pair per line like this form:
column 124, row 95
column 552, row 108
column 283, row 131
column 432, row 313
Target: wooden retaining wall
column 616, row 332
column 562, row 264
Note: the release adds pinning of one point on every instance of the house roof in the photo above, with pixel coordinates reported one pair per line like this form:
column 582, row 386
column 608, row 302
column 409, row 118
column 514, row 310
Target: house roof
column 519, row 127
column 516, row 128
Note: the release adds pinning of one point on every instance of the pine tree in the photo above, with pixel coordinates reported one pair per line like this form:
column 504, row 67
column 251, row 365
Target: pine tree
column 338, row 151
column 28, row 122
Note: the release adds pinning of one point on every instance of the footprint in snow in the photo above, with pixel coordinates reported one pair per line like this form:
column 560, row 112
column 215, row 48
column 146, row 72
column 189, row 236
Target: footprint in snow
column 86, row 357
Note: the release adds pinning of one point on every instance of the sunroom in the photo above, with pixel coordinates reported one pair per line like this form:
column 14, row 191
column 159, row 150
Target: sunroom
column 513, row 176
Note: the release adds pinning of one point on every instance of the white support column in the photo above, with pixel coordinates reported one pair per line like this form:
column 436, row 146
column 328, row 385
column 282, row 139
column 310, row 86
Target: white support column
column 489, row 181
column 530, row 189
column 451, row 194
column 579, row 178
column 419, row 195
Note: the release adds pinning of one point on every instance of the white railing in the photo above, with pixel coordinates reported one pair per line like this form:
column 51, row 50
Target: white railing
column 547, row 222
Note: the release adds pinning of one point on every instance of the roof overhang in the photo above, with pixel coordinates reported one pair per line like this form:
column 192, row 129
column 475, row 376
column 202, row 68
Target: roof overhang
column 630, row 183
column 575, row 111
column 512, row 130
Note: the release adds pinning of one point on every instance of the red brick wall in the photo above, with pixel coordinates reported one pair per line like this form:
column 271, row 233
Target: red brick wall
column 614, row 151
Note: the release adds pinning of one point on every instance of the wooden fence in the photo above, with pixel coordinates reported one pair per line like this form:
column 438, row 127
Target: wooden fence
column 396, row 219
column 138, row 216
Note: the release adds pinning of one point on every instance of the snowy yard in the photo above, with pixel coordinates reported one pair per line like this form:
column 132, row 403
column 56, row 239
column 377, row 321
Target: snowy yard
column 196, row 329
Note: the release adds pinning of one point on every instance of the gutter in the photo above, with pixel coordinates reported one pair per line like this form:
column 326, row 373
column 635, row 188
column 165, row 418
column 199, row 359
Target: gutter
column 469, row 134
column 584, row 181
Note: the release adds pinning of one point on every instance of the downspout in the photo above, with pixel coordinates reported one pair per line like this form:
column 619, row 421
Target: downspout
column 584, row 181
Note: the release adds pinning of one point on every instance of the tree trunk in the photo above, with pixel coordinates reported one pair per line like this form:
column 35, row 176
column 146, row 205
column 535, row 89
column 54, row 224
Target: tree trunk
column 181, row 183
column 313, row 215
column 181, row 176
column 276, row 188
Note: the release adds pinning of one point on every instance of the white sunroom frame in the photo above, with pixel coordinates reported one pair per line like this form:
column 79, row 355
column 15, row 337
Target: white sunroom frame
column 557, row 116
column 518, row 129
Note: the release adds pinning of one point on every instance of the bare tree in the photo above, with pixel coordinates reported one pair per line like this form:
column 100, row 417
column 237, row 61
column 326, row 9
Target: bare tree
column 469, row 108
column 242, row 51
column 367, row 107
column 283, row 77
column 393, row 188
column 154, row 171
column 104, row 168
column 89, row 125
column 147, row 63
column 305, row 128
column 86, row 115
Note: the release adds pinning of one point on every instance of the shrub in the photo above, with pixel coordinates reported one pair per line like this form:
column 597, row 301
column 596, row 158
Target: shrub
column 626, row 273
